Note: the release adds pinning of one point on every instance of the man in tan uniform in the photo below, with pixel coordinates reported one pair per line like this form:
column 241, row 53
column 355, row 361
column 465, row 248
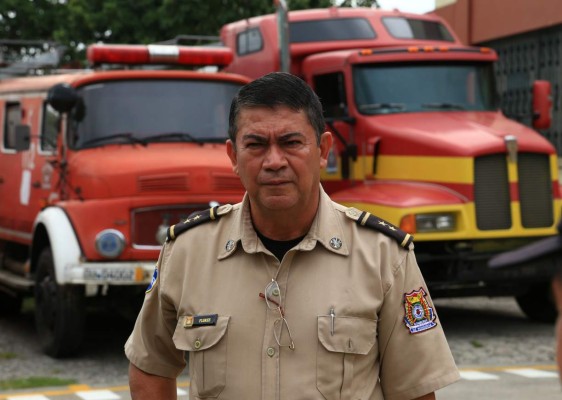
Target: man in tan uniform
column 287, row 295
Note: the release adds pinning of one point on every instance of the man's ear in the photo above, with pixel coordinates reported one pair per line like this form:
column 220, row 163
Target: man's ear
column 231, row 151
column 325, row 146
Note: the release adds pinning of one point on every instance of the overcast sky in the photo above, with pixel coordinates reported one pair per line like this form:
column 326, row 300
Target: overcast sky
column 415, row 6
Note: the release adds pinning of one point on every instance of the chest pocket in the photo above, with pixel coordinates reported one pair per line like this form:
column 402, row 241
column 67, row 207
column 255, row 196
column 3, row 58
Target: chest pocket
column 207, row 358
column 337, row 353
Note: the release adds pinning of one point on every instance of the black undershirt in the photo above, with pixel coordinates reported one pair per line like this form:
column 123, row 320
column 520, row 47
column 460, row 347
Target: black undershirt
column 279, row 247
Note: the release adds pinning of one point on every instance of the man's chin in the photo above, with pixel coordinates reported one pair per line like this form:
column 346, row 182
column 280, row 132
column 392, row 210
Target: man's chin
column 278, row 202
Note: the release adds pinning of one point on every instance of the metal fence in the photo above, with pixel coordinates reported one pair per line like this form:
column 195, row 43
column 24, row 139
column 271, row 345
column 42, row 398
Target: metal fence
column 523, row 59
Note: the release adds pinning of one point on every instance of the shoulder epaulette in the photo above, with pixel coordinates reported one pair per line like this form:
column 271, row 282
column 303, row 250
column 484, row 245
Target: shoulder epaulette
column 367, row 219
column 196, row 218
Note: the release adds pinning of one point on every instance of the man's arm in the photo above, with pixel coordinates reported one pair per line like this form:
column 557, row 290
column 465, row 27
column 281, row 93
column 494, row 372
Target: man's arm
column 145, row 386
column 429, row 396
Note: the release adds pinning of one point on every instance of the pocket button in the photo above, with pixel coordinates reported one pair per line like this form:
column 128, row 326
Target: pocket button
column 197, row 344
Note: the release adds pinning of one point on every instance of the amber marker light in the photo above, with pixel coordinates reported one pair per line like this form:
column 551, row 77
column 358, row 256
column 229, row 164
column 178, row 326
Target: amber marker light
column 443, row 48
column 413, row 49
column 428, row 49
column 408, row 223
column 485, row 50
column 366, row 52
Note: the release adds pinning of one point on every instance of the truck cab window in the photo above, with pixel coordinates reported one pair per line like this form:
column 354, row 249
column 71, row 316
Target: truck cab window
column 330, row 30
column 409, row 28
column 424, row 87
column 11, row 120
column 331, row 90
column 249, row 41
column 49, row 128
column 133, row 112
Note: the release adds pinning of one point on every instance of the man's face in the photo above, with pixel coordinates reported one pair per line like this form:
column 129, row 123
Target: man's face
column 277, row 158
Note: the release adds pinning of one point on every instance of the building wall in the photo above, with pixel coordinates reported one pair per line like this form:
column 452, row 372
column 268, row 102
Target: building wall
column 485, row 20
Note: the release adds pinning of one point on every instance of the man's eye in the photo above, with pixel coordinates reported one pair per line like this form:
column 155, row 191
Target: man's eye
column 293, row 143
column 254, row 145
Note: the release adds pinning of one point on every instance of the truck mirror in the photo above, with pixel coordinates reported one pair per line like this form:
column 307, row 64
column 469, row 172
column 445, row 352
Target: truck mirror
column 542, row 104
column 23, row 137
column 62, row 97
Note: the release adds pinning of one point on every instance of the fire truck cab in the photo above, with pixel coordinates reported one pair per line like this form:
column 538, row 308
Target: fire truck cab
column 94, row 166
column 420, row 140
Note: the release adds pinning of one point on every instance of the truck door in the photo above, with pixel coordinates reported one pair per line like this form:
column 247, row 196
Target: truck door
column 342, row 160
column 37, row 172
column 10, row 167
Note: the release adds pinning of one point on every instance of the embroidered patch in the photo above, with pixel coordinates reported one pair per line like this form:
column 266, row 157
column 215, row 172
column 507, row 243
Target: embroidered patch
column 419, row 315
column 153, row 281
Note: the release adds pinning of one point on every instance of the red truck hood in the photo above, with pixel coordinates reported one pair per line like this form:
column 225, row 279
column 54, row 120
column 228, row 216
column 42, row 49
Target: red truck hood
column 452, row 134
column 159, row 168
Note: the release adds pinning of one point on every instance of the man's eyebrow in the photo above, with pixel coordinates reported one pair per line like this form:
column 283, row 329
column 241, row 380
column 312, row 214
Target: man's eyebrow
column 289, row 136
column 254, row 136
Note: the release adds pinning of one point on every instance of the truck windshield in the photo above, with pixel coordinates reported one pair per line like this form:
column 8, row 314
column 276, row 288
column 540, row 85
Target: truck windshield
column 147, row 111
column 424, row 87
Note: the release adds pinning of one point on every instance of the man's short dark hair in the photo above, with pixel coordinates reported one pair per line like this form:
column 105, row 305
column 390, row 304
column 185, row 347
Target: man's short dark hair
column 274, row 90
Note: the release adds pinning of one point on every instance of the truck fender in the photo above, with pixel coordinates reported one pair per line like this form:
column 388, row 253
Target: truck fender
column 62, row 238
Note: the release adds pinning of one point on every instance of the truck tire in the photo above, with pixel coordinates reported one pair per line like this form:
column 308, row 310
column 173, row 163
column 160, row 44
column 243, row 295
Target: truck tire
column 538, row 304
column 59, row 310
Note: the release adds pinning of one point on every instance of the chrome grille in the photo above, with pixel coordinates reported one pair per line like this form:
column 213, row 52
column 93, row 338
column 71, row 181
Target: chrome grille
column 491, row 192
column 535, row 190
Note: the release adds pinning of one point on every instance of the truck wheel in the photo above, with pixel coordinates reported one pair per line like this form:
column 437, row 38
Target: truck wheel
column 538, row 304
column 10, row 305
column 59, row 310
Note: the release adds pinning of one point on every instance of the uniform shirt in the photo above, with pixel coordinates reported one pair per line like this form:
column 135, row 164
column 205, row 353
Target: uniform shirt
column 383, row 341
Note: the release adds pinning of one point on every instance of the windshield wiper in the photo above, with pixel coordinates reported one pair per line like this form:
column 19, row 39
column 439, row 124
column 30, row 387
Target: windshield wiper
column 129, row 136
column 382, row 106
column 182, row 136
column 444, row 106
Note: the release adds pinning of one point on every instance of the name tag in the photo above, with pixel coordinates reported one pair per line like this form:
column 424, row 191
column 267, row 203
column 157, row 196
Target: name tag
column 191, row 321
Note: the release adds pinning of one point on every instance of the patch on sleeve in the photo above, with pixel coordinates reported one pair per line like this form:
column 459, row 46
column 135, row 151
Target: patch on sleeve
column 419, row 315
column 153, row 281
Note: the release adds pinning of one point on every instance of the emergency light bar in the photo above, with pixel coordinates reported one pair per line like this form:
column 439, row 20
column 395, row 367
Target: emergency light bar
column 158, row 54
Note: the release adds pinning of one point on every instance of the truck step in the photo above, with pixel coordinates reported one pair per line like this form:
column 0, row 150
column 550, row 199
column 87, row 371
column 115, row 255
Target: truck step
column 14, row 281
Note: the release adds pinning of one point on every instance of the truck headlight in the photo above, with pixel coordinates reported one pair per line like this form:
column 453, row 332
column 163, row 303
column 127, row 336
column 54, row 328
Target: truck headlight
column 435, row 222
column 110, row 243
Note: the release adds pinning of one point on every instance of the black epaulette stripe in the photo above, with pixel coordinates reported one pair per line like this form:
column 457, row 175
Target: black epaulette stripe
column 367, row 219
column 194, row 219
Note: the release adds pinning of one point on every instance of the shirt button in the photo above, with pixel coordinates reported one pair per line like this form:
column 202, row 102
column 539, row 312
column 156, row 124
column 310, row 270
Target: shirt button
column 197, row 343
column 276, row 292
column 270, row 351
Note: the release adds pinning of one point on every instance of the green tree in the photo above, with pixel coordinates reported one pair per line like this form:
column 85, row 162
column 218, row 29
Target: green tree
column 76, row 23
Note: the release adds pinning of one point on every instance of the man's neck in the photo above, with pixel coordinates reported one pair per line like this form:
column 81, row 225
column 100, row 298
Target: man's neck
column 283, row 225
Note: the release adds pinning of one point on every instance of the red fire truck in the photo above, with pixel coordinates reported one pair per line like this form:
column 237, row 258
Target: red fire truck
column 94, row 166
column 421, row 141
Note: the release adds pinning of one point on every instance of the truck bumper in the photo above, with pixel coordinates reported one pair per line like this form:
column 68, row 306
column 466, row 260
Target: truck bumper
column 451, row 274
column 109, row 273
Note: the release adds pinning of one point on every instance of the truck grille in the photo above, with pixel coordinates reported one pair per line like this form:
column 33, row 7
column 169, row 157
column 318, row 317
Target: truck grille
column 146, row 221
column 491, row 192
column 492, row 197
column 159, row 183
column 535, row 190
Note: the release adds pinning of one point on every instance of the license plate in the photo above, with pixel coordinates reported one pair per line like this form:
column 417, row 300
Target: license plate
column 110, row 274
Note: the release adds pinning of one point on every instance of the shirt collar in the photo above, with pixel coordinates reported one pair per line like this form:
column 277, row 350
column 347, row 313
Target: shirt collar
column 326, row 229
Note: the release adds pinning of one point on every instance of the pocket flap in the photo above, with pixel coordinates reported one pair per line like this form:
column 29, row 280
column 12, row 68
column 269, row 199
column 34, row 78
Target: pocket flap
column 351, row 334
column 200, row 337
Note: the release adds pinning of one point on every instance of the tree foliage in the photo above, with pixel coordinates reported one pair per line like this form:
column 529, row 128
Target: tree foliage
column 75, row 23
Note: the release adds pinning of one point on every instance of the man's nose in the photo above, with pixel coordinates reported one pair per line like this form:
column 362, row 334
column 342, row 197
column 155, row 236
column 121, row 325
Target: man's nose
column 275, row 158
